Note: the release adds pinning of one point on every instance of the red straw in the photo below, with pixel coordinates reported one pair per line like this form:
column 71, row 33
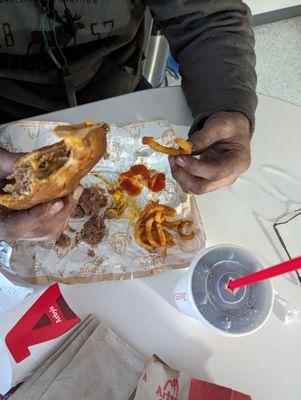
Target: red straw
column 264, row 274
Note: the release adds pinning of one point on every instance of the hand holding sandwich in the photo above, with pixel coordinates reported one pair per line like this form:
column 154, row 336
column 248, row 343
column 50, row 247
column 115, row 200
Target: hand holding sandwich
column 40, row 190
column 42, row 222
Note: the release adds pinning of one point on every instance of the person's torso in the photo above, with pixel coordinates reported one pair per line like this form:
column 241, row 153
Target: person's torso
column 91, row 28
column 85, row 33
column 22, row 23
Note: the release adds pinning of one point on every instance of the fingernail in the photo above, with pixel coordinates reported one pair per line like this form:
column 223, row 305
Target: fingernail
column 78, row 192
column 181, row 162
column 56, row 207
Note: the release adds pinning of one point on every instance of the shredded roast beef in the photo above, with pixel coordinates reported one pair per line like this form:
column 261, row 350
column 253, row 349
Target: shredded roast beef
column 78, row 212
column 91, row 253
column 63, row 241
column 91, row 202
column 93, row 231
column 19, row 182
column 47, row 163
column 70, row 229
column 50, row 162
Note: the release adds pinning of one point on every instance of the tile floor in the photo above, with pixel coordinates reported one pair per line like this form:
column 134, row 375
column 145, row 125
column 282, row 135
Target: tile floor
column 278, row 50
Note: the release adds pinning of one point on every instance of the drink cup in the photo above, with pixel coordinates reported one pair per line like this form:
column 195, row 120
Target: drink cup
column 202, row 291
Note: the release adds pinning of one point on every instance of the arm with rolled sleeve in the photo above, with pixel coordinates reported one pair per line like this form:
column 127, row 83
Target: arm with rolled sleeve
column 213, row 43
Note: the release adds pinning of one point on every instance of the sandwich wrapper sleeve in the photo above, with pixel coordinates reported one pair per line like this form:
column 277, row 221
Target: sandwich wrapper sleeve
column 30, row 331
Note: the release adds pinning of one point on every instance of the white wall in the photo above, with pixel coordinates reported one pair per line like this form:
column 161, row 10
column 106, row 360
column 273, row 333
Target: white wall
column 261, row 6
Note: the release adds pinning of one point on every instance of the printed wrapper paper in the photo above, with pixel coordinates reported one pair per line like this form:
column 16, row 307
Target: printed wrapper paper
column 117, row 256
column 159, row 382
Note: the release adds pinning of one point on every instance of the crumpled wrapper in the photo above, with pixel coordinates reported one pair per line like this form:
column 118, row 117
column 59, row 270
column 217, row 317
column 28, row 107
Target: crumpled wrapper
column 117, row 256
column 159, row 381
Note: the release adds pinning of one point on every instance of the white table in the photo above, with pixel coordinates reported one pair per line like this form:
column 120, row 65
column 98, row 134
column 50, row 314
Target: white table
column 266, row 364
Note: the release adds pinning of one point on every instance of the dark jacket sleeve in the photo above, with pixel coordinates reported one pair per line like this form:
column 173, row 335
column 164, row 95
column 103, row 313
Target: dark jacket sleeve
column 213, row 42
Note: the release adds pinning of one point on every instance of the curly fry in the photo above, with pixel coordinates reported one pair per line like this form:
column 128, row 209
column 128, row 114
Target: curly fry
column 160, row 217
column 149, row 235
column 185, row 225
column 185, row 147
column 165, row 210
column 183, row 144
column 138, row 229
column 152, row 228
column 171, row 224
column 150, row 206
column 169, row 239
column 144, row 238
column 162, row 237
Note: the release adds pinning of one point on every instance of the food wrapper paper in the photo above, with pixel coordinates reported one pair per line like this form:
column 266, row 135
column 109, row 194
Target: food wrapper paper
column 159, row 381
column 117, row 256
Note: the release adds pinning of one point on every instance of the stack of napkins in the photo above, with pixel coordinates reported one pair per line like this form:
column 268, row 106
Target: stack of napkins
column 93, row 363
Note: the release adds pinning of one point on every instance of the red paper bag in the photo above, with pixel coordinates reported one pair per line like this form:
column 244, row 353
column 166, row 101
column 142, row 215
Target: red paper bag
column 200, row 390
